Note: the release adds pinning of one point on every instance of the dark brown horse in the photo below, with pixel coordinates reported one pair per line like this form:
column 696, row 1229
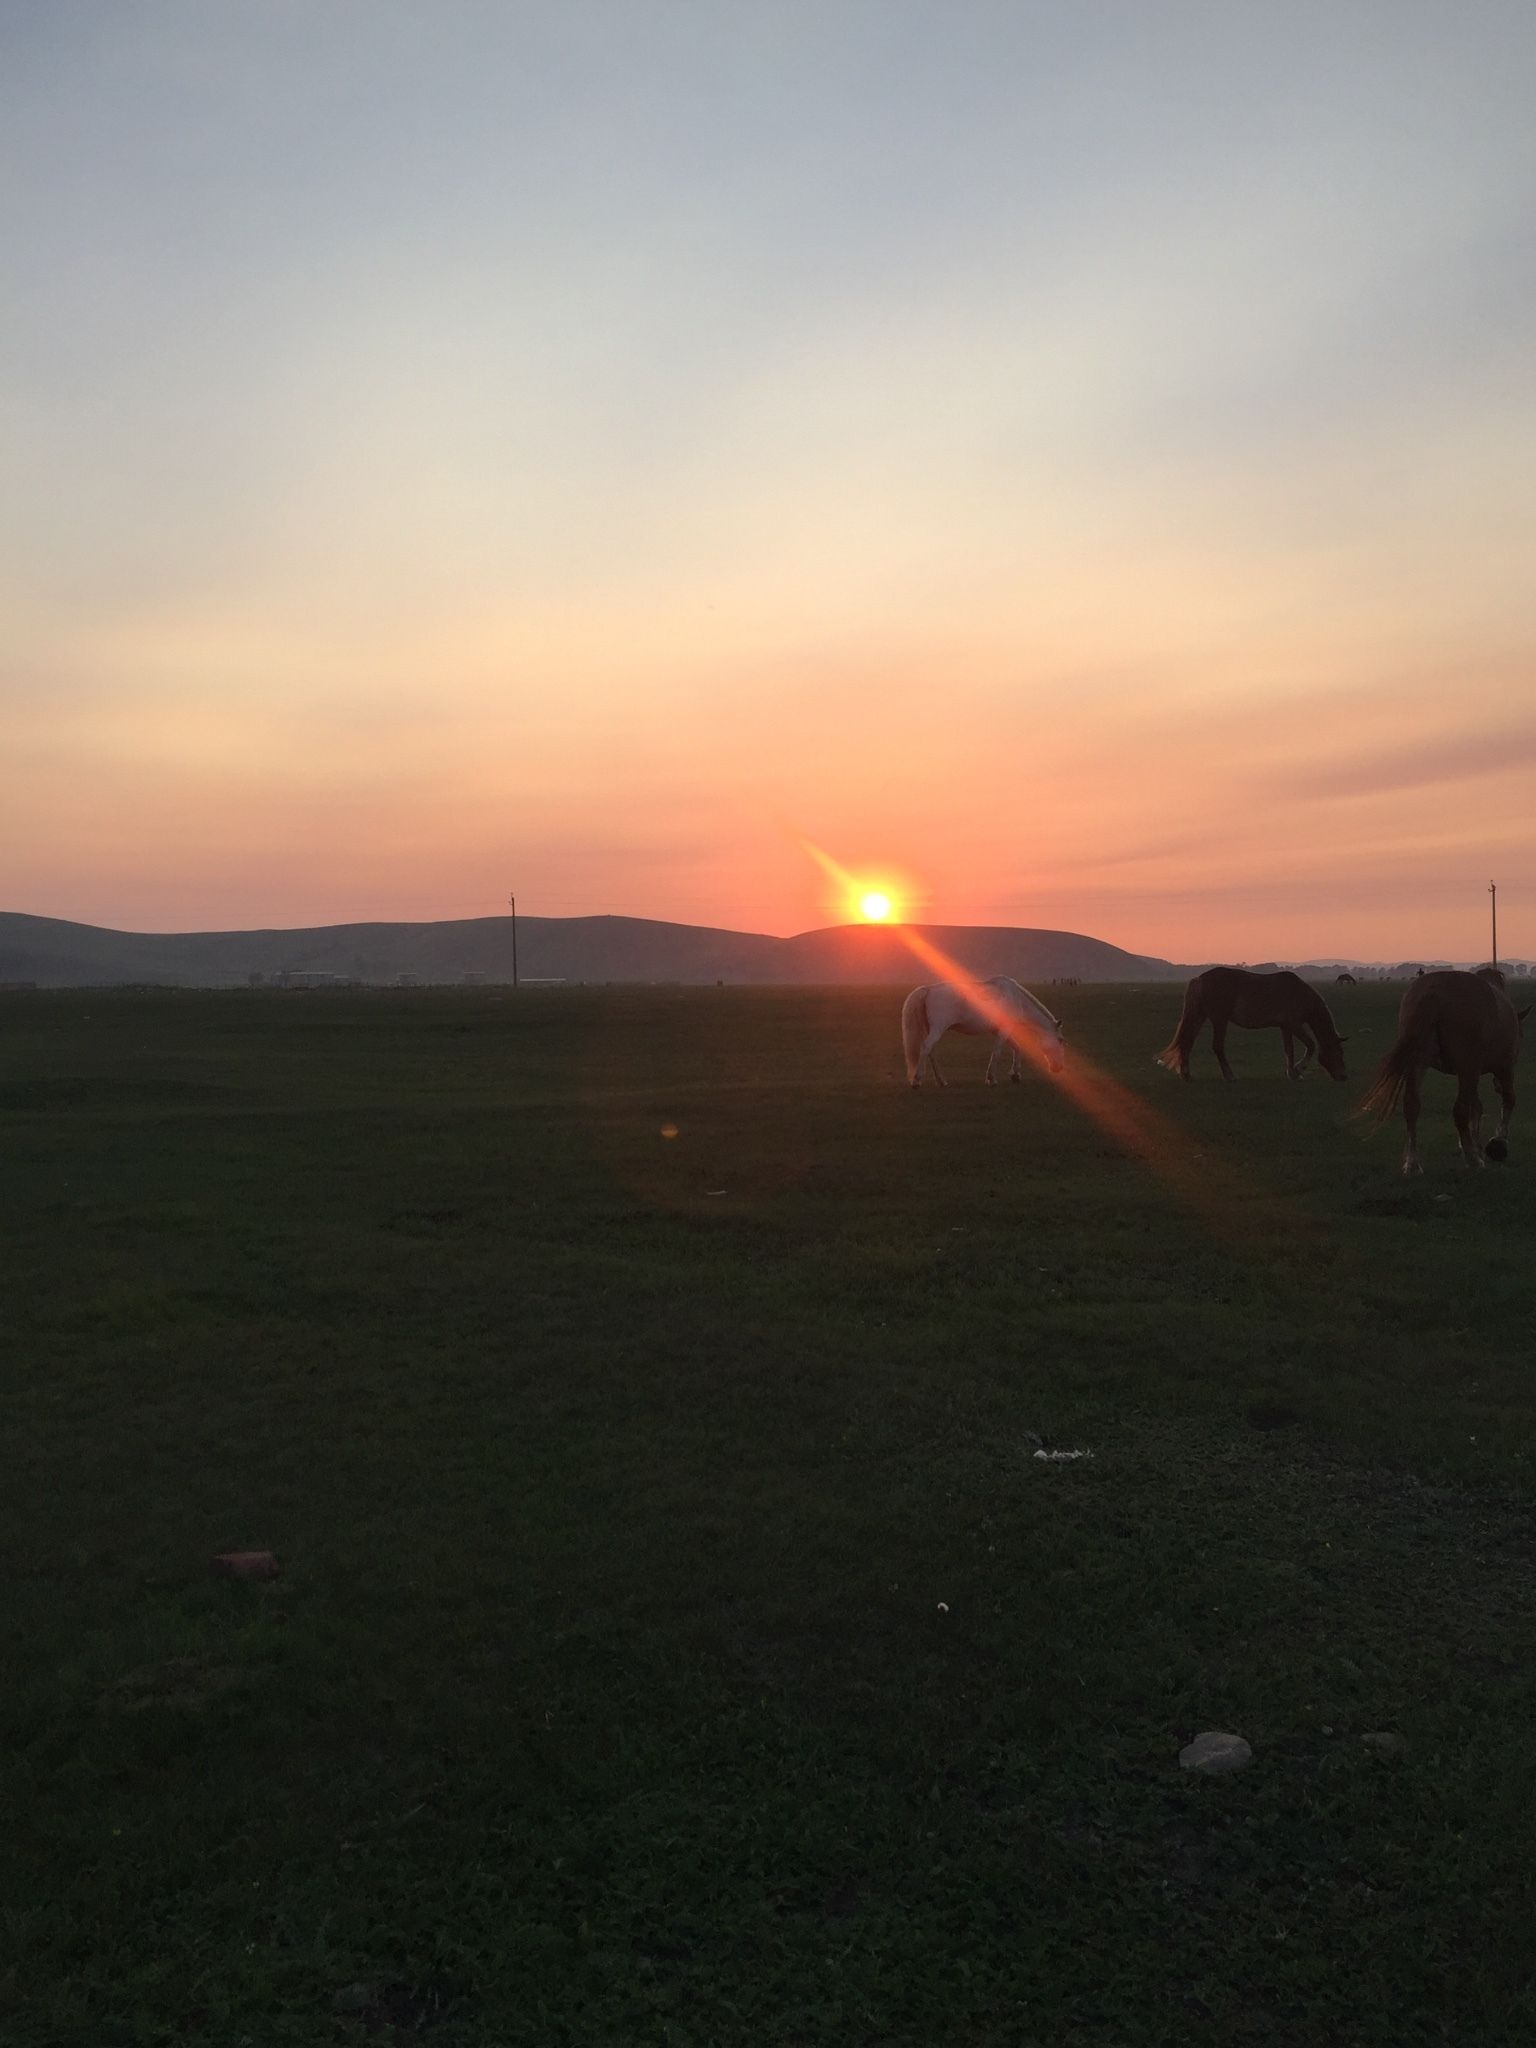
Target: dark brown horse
column 1231, row 995
column 1461, row 1024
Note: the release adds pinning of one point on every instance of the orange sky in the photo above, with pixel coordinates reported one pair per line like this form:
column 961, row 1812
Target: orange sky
column 1086, row 478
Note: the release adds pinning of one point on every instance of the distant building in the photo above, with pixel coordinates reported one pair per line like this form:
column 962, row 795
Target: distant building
column 309, row 977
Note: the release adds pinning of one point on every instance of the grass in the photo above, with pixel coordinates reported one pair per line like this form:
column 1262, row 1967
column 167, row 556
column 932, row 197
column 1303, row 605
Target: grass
column 677, row 1639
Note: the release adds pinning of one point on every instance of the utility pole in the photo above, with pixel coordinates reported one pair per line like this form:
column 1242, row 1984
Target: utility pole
column 513, row 901
column 1493, row 905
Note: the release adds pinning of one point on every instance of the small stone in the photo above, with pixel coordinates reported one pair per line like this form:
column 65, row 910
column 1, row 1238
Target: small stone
column 1214, row 1754
column 1382, row 1742
column 245, row 1564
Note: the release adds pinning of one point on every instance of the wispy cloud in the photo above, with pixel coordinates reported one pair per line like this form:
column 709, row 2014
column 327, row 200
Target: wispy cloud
column 1420, row 764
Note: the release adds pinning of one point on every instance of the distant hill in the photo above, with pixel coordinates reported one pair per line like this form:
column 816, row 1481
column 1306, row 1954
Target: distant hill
column 876, row 953
column 56, row 954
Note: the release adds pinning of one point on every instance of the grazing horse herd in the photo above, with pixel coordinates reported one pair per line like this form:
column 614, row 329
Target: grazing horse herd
column 1459, row 1024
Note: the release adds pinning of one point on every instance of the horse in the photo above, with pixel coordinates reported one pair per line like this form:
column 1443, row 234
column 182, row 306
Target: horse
column 1345, row 980
column 1461, row 1024
column 1000, row 1005
column 1232, row 995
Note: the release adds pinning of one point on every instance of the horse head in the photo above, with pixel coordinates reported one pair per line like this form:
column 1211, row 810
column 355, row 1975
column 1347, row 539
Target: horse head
column 1330, row 1057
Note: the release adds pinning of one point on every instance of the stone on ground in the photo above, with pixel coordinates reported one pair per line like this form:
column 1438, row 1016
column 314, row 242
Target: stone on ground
column 1214, row 1754
column 1384, row 1743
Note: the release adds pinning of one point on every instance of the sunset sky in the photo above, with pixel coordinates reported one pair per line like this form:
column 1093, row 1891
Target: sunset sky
column 1074, row 463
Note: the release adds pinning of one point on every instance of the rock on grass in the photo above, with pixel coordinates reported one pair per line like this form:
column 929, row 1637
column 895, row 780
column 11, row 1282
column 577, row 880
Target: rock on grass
column 1382, row 1742
column 1215, row 1755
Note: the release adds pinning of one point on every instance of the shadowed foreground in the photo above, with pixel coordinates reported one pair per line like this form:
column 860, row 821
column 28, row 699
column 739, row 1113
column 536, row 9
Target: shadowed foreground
column 677, row 1639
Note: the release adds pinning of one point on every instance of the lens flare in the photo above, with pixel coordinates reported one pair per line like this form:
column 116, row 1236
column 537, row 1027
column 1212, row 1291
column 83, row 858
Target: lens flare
column 1222, row 1199
column 876, row 906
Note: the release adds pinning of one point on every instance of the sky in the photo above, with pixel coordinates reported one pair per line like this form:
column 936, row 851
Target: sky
column 1074, row 464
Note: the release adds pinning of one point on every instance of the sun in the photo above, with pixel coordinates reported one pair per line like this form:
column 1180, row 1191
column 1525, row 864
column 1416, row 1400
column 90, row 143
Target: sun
column 876, row 906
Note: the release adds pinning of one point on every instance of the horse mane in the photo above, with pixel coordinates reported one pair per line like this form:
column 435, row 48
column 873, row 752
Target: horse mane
column 1033, row 1000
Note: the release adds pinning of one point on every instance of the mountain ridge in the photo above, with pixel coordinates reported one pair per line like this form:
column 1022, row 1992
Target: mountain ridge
column 57, row 952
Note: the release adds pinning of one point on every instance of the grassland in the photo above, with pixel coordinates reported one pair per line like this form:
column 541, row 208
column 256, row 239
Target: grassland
column 677, row 1639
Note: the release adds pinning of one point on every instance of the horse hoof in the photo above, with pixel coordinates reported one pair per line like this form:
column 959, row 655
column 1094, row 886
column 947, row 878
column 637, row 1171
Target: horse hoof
column 1016, row 1079
column 1410, row 1168
column 1497, row 1149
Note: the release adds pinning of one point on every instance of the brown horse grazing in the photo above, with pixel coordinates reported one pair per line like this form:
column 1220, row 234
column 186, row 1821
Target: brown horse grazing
column 1461, row 1024
column 1231, row 995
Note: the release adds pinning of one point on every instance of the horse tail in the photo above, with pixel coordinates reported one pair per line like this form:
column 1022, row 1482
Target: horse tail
column 1175, row 1054
column 1412, row 1049
column 914, row 1029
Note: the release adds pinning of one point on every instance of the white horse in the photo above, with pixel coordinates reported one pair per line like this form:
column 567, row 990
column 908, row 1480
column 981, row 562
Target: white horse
column 1000, row 1006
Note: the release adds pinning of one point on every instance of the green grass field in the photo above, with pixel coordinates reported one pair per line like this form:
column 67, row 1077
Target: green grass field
column 677, row 1639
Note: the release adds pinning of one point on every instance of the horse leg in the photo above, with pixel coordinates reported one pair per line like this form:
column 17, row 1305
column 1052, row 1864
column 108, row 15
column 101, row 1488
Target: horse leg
column 1467, row 1114
column 1219, row 1047
column 1292, row 1071
column 1308, row 1050
column 1017, row 1072
column 928, row 1055
column 1411, row 1101
column 1189, row 1031
column 1504, row 1081
column 997, row 1050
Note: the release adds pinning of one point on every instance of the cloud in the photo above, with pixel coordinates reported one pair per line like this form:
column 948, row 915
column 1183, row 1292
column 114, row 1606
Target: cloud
column 1421, row 764
column 1197, row 843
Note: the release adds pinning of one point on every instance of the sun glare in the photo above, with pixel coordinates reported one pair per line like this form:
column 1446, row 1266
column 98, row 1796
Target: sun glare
column 876, row 906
